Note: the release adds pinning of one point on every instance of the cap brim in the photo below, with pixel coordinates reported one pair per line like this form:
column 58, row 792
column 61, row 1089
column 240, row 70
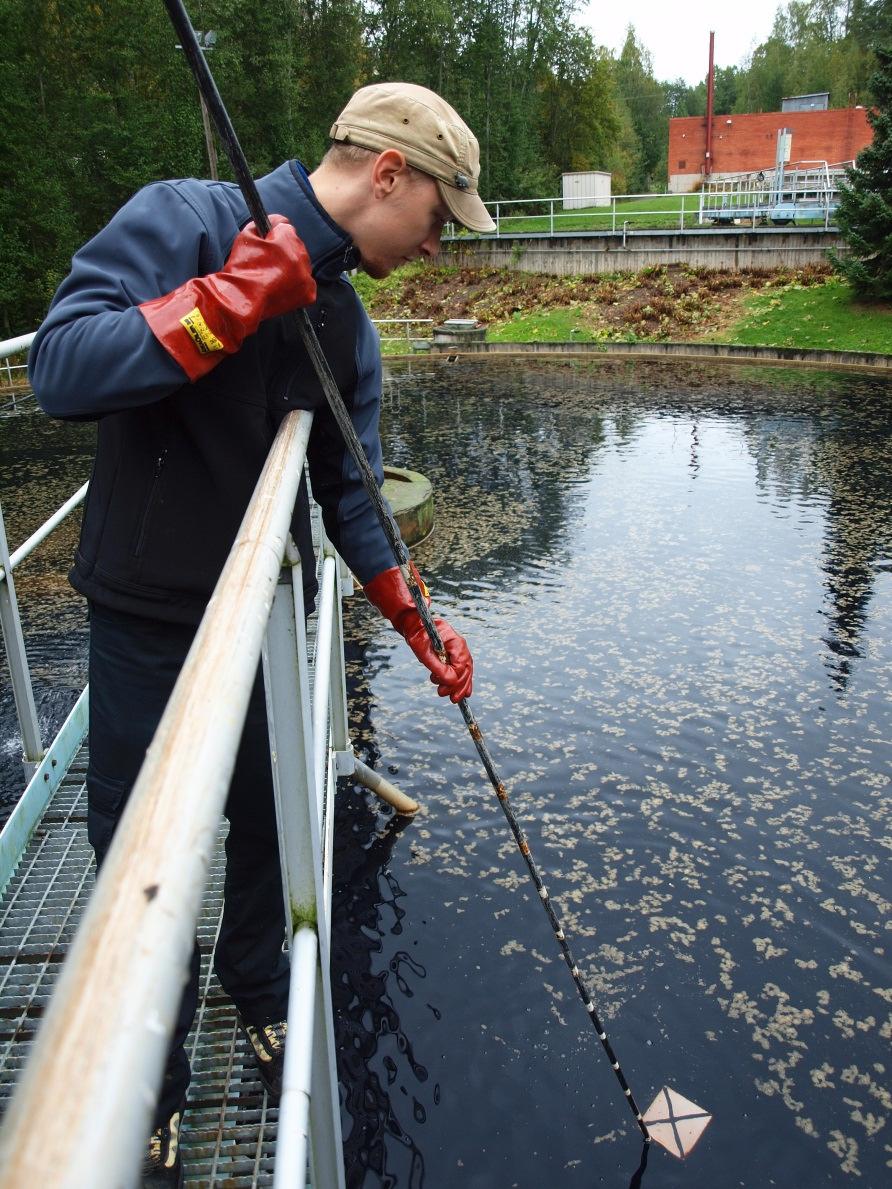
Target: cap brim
column 466, row 207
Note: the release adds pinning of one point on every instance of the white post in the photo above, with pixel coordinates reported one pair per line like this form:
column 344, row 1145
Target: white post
column 287, row 686
column 322, row 677
column 326, row 1144
column 340, row 740
column 17, row 658
column 326, row 1153
column 292, row 1144
column 311, row 1101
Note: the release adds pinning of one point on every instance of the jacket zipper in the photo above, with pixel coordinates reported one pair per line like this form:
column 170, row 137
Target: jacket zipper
column 150, row 502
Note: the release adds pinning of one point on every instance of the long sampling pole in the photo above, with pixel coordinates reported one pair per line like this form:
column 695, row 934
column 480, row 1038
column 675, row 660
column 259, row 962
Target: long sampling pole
column 218, row 112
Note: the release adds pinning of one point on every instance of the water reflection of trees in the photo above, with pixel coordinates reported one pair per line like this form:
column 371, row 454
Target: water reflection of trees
column 504, row 448
column 533, row 437
column 364, row 1008
column 519, row 437
column 832, row 449
column 379, row 1149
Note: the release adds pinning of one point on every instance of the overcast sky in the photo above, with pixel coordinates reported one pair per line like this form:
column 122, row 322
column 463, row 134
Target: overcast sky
column 677, row 35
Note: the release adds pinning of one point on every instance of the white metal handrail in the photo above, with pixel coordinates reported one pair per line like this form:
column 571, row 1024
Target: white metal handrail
column 41, row 534
column 10, row 620
column 808, row 188
column 106, row 1031
column 14, row 347
column 42, row 768
column 604, row 213
column 407, row 323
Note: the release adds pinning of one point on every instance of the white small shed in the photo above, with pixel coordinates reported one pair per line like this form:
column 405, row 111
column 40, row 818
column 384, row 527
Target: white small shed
column 591, row 188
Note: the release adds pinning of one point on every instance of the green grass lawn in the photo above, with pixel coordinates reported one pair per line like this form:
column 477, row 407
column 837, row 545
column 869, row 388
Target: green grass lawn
column 566, row 324
column 816, row 316
column 822, row 316
column 784, row 313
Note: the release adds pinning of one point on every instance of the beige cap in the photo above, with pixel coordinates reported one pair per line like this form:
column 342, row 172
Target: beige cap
column 433, row 136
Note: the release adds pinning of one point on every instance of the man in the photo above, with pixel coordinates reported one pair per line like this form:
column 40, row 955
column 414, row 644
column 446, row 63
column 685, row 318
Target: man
column 170, row 331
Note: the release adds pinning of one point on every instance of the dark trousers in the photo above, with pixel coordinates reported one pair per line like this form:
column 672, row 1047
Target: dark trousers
column 134, row 664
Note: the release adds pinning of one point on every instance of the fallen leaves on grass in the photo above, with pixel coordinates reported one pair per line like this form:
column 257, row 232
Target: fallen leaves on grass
column 662, row 302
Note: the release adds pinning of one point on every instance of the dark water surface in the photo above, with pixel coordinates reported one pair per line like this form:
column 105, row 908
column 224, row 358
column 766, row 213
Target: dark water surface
column 675, row 580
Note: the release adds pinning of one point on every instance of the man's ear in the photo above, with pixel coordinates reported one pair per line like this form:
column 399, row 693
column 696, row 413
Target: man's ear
column 387, row 168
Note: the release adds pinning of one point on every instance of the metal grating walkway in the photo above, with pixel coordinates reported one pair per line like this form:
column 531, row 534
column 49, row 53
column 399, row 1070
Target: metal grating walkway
column 229, row 1130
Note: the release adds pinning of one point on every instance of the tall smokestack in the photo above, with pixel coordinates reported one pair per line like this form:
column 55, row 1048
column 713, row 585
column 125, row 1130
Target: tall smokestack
column 710, row 95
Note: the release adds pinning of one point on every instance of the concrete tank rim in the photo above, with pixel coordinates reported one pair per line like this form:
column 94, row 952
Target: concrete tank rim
column 877, row 362
column 411, row 498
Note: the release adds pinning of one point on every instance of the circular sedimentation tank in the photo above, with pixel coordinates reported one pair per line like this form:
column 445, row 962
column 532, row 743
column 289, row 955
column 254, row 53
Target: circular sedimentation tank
column 411, row 498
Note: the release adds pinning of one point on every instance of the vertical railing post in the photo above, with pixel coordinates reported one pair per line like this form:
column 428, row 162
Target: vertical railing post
column 293, row 1140
column 325, row 1121
column 287, row 684
column 341, row 755
column 310, row 1052
column 17, row 659
column 328, row 594
column 340, row 739
column 498, row 225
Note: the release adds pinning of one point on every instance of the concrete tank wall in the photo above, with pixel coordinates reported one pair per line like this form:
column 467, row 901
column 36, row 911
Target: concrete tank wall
column 602, row 252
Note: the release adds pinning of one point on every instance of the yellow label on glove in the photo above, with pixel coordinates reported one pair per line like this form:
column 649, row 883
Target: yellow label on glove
column 200, row 333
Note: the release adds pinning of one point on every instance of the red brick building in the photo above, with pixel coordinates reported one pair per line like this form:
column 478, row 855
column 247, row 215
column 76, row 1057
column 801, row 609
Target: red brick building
column 742, row 143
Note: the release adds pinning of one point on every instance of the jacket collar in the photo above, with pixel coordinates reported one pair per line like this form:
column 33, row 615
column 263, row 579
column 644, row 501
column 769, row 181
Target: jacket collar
column 287, row 191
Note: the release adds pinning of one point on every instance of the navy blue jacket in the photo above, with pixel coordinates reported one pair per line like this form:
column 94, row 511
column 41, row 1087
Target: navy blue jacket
column 176, row 462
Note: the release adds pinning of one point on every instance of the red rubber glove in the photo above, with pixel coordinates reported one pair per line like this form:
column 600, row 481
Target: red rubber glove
column 389, row 593
column 209, row 317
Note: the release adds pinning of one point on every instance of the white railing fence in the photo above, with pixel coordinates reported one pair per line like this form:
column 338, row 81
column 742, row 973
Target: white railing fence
column 82, row 1109
column 10, row 622
column 13, row 375
column 643, row 212
column 413, row 331
column 548, row 216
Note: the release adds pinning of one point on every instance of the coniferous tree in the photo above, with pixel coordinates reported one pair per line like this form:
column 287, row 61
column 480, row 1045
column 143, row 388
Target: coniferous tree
column 645, row 102
column 865, row 211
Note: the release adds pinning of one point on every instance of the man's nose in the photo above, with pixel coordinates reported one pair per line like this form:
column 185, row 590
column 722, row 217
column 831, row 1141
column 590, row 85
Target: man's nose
column 430, row 246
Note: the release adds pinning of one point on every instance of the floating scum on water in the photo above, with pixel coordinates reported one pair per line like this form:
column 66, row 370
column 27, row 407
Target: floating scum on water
column 671, row 1120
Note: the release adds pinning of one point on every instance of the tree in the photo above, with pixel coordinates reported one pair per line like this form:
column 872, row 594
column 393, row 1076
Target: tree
column 578, row 121
column 645, row 102
column 96, row 103
column 865, row 210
